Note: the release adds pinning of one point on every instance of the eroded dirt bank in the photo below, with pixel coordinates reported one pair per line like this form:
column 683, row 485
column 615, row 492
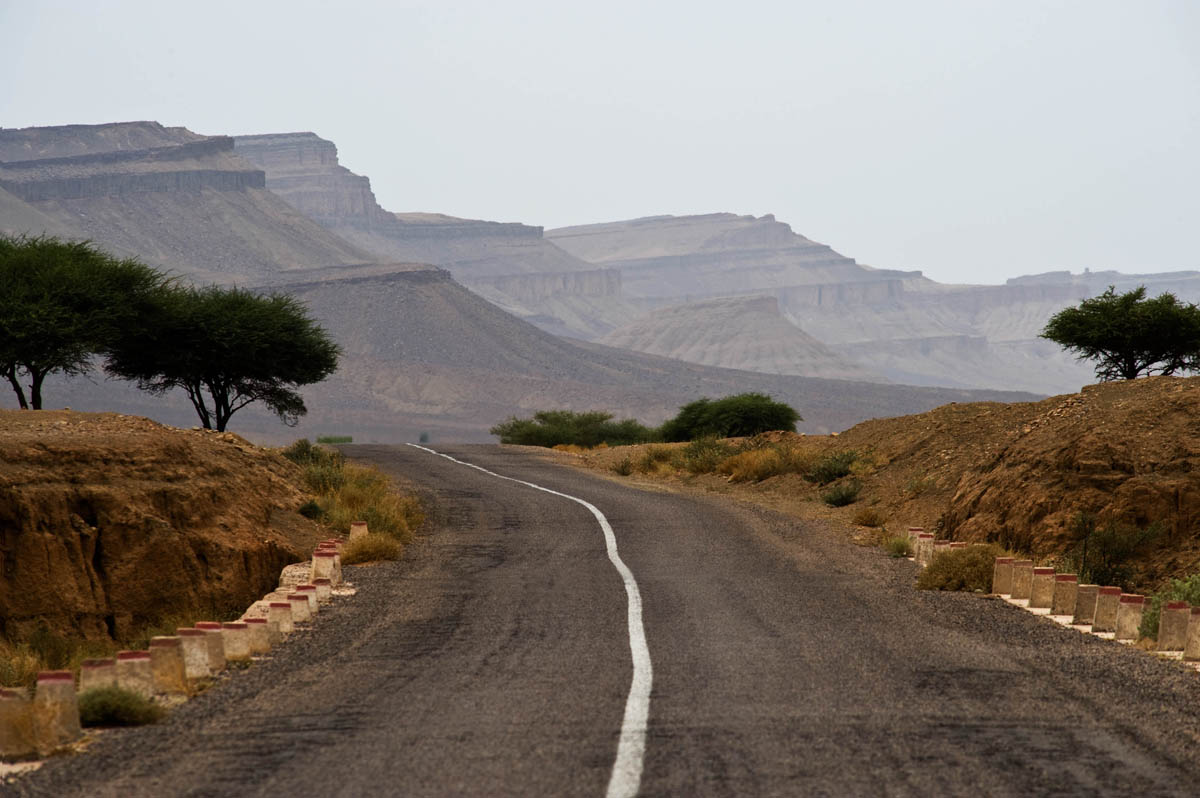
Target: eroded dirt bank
column 111, row 522
column 1018, row 474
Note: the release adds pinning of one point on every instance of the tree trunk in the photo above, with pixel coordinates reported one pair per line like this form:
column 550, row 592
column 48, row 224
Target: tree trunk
column 11, row 374
column 36, row 378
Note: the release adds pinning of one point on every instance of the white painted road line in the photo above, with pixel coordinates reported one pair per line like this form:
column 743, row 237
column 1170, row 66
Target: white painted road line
column 627, row 769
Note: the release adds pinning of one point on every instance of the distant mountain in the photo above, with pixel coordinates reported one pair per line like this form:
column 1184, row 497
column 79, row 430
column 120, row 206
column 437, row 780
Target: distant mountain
column 422, row 354
column 746, row 332
column 895, row 323
column 512, row 265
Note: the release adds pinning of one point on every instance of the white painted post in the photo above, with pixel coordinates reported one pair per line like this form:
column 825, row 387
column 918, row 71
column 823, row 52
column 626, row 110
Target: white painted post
column 97, row 673
column 1129, row 615
column 134, row 673
column 1173, row 625
column 193, row 644
column 55, row 711
column 1002, row 576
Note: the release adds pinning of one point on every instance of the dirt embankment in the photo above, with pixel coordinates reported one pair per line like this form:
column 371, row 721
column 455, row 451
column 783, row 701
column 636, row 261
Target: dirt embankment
column 1019, row 473
column 111, row 522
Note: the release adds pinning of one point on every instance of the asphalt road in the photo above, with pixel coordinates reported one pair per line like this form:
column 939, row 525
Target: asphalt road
column 495, row 660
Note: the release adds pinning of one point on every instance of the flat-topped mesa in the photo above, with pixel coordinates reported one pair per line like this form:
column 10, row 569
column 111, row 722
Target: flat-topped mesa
column 61, row 141
column 303, row 169
column 201, row 164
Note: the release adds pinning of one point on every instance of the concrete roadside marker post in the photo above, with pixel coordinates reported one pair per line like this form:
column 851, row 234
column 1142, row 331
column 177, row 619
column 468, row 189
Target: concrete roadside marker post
column 193, row 644
column 310, row 593
column 958, row 544
column 324, row 590
column 17, row 740
column 1173, row 625
column 358, row 529
column 1085, row 605
column 1002, row 576
column 1066, row 593
column 237, row 641
column 281, row 613
column 216, row 645
column 260, row 635
column 1022, row 586
column 167, row 665
column 299, row 603
column 1108, row 599
column 924, row 548
column 914, row 532
column 1191, row 648
column 55, row 711
column 939, row 546
column 323, row 561
column 1041, row 590
column 97, row 673
column 134, row 672
column 1129, row 615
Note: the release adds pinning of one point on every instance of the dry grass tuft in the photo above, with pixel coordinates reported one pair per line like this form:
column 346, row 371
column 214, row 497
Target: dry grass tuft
column 371, row 548
column 961, row 569
column 869, row 516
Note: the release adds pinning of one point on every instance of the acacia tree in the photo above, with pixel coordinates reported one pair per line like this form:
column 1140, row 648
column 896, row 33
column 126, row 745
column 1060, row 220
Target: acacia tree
column 1128, row 335
column 61, row 304
column 226, row 348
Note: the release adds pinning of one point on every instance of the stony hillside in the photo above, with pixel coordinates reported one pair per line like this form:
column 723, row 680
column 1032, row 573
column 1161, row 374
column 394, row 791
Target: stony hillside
column 898, row 324
column 423, row 354
column 91, row 505
column 738, row 332
column 1019, row 473
column 512, row 265
column 173, row 198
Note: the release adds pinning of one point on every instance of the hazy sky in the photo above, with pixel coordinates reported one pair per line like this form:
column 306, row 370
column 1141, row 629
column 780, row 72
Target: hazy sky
column 974, row 140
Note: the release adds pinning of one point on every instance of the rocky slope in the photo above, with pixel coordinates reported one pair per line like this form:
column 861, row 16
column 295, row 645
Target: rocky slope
column 173, row 198
column 109, row 523
column 1017, row 474
column 422, row 353
column 739, row 332
column 511, row 264
column 899, row 324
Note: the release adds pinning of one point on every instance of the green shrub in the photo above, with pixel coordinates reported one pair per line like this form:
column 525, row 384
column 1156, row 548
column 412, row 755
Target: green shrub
column 552, row 428
column 899, row 546
column 841, row 495
column 1104, row 555
column 115, row 706
column 623, row 467
column 741, row 415
column 961, row 569
column 310, row 509
column 1178, row 590
column 918, row 485
column 335, row 439
column 832, row 466
column 703, row 455
column 371, row 547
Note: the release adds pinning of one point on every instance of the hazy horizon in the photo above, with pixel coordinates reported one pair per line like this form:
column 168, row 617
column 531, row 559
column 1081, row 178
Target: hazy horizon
column 975, row 142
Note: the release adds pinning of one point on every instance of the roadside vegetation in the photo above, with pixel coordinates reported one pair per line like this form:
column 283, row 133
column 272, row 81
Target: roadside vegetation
column 967, row 569
column 348, row 492
column 114, row 706
column 1177, row 590
column 732, row 416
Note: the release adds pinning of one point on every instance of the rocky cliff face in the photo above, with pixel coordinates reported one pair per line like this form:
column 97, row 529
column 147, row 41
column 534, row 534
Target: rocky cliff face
column 109, row 523
column 741, row 332
column 175, row 199
column 899, row 324
column 511, row 265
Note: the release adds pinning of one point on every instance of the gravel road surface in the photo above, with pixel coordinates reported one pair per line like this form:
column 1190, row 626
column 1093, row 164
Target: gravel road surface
column 495, row 660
